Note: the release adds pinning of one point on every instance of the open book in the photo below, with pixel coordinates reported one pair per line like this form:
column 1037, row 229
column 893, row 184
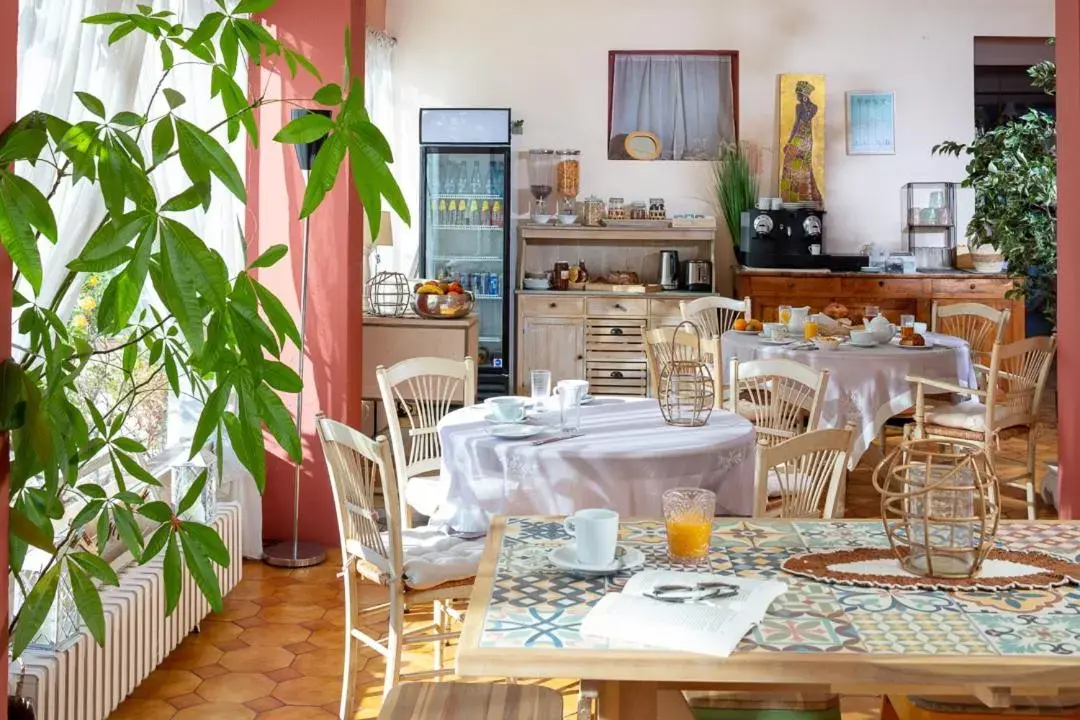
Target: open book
column 708, row 627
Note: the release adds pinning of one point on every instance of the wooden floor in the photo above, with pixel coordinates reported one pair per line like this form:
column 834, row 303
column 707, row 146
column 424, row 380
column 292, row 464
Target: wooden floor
column 276, row 650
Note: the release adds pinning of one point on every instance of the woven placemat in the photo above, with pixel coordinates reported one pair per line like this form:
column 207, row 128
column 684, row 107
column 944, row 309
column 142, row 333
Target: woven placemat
column 880, row 568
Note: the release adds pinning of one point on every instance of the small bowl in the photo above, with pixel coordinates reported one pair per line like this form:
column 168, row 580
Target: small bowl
column 863, row 337
column 443, row 307
column 537, row 283
column 541, row 219
column 826, row 343
column 567, row 219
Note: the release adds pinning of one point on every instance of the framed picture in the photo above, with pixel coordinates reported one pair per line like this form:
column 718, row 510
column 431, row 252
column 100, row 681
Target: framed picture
column 871, row 123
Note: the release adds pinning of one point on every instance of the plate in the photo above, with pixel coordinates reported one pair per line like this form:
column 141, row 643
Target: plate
column 510, row 431
column 852, row 343
column 777, row 341
column 872, row 269
column 490, row 417
column 746, row 332
column 564, row 557
column 896, row 344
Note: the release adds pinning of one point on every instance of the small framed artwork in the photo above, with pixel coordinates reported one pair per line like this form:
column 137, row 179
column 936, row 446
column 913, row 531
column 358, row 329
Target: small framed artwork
column 871, row 123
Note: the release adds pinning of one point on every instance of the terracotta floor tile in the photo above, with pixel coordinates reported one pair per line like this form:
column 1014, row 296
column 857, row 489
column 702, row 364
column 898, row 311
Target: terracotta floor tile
column 283, row 674
column 298, row 713
column 304, row 593
column 236, row 687
column 215, row 631
column 236, row 609
column 264, row 704
column 209, row 671
column 316, row 625
column 237, row 644
column 328, row 638
column 275, row 634
column 182, row 701
column 165, row 684
column 292, row 613
column 301, row 648
column 216, row 711
column 308, row 691
column 142, row 709
column 194, row 652
column 320, row 663
column 250, row 622
column 262, row 659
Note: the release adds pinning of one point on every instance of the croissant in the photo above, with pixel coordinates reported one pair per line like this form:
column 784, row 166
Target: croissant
column 915, row 340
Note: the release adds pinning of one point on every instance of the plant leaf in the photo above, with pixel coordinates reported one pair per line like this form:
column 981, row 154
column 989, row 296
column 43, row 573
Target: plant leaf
column 193, row 493
column 25, row 529
column 108, row 18
column 282, row 377
column 279, row 421
column 17, row 234
column 136, row 470
column 200, row 569
column 329, row 94
column 173, row 577
column 162, row 139
column 270, row 256
column 206, row 30
column 174, row 97
column 305, row 129
column 189, row 199
column 91, row 103
column 128, row 529
column 211, row 414
column 199, row 148
column 253, row 6
column 208, row 538
column 87, row 602
column 158, row 511
column 34, row 610
column 324, row 173
column 276, row 313
column 129, row 445
column 95, row 567
column 156, row 542
column 127, row 119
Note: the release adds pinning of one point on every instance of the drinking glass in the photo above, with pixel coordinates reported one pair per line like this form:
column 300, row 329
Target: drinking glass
column 541, row 385
column 907, row 325
column 688, row 515
column 871, row 312
column 571, row 393
column 810, row 330
column 784, row 314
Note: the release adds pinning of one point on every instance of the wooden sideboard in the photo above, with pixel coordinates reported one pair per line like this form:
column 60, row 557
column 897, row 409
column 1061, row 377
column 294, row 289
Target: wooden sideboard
column 895, row 294
column 389, row 340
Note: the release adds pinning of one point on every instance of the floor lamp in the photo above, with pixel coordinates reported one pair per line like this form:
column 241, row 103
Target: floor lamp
column 296, row 554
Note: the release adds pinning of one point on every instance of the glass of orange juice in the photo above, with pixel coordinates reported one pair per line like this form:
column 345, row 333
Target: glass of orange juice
column 688, row 514
column 810, row 330
column 784, row 314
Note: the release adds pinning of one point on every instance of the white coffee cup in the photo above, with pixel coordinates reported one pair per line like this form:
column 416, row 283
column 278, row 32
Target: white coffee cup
column 775, row 331
column 863, row 337
column 776, row 203
column 815, row 249
column 596, row 532
column 508, row 409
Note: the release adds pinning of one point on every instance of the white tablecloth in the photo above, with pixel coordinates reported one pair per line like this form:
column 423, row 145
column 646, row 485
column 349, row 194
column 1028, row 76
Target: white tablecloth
column 625, row 459
column 867, row 386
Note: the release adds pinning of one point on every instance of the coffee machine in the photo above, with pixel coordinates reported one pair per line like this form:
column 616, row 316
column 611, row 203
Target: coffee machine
column 790, row 238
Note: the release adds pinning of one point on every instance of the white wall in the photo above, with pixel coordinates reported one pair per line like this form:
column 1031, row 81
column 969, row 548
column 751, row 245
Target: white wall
column 549, row 62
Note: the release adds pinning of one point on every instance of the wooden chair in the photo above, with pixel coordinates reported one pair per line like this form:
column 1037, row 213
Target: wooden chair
column 782, row 398
column 1006, row 405
column 808, row 471
column 981, row 325
column 658, row 352
column 356, row 463
column 427, row 388
column 483, row 701
column 714, row 315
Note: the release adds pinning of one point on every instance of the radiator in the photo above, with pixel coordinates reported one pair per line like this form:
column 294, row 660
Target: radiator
column 82, row 681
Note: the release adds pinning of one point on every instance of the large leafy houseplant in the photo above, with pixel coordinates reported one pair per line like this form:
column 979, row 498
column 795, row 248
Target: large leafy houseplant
column 216, row 336
column 1013, row 171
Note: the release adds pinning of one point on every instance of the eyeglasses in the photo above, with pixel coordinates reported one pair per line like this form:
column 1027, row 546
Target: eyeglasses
column 693, row 593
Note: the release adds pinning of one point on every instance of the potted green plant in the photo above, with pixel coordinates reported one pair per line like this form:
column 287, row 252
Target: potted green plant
column 214, row 335
column 735, row 185
column 1013, row 172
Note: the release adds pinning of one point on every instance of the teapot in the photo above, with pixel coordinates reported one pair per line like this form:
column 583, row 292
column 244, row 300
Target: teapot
column 798, row 319
column 881, row 328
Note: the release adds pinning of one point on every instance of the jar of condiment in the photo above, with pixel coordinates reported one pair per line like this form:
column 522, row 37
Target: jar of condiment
column 615, row 209
column 657, row 210
column 560, row 276
column 638, row 211
column 568, row 173
column 592, row 211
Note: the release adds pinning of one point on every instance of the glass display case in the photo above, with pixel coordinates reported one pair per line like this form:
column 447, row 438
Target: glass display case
column 929, row 212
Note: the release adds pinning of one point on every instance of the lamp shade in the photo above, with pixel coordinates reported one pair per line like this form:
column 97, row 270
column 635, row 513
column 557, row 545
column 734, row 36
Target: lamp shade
column 386, row 232
column 306, row 152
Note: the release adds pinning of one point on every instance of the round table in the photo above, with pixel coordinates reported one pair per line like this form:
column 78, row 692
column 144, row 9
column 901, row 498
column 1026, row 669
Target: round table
column 624, row 460
column 867, row 386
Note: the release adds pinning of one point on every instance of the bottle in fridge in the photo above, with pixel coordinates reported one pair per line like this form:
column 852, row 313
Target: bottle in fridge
column 465, row 162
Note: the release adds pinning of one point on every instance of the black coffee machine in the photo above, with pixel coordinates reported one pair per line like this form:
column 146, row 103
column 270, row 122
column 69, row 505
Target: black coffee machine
column 783, row 239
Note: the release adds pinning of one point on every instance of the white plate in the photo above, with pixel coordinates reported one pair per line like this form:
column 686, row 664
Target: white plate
column 895, row 342
column 490, row 417
column 508, row 431
column 564, row 557
column 746, row 332
column 777, row 341
column 852, row 343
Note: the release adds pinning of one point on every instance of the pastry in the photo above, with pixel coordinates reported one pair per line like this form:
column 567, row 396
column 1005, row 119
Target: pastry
column 836, row 311
column 915, row 340
column 622, row 277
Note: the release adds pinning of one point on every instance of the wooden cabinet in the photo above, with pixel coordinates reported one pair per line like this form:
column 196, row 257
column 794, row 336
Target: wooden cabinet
column 551, row 343
column 896, row 295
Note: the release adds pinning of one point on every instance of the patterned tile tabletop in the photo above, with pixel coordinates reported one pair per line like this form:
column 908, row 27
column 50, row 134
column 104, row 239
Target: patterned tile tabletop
column 533, row 605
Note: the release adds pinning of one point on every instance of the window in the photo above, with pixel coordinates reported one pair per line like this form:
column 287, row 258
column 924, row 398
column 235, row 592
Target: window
column 688, row 100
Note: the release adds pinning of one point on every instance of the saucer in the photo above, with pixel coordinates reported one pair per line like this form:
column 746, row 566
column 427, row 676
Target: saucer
column 852, row 343
column 777, row 341
column 510, row 431
column 896, row 344
column 490, row 417
column 564, row 557
column 746, row 332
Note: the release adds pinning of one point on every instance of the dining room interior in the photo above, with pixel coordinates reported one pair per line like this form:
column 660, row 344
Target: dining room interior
column 397, row 359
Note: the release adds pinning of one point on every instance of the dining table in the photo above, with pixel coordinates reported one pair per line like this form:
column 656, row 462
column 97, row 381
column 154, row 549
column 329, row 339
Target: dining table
column 525, row 615
column 867, row 385
column 623, row 457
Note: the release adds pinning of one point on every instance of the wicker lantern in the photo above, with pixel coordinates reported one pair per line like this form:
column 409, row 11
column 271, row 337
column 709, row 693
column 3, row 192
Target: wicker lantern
column 686, row 386
column 939, row 504
column 388, row 294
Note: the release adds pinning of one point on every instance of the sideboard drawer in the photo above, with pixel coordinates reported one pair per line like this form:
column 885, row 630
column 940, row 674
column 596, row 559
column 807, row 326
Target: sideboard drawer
column 886, row 287
column 976, row 287
column 809, row 285
column 617, row 307
column 552, row 306
column 664, row 309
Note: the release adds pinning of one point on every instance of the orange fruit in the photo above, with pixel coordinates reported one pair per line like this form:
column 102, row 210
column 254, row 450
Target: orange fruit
column 754, row 325
column 739, row 324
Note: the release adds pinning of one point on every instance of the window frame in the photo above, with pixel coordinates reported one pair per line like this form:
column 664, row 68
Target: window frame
column 733, row 55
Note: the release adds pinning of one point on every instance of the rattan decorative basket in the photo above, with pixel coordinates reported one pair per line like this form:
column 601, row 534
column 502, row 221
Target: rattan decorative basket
column 939, row 504
column 686, row 391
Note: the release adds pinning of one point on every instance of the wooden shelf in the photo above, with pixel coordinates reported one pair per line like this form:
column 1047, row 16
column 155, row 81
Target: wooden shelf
column 579, row 233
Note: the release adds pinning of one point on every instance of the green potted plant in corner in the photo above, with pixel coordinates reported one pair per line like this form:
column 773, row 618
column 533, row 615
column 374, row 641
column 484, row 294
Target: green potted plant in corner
column 1013, row 172
column 217, row 336
column 735, row 186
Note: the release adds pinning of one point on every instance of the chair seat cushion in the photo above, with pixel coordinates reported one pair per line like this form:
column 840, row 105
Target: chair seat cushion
column 970, row 415
column 425, row 494
column 431, row 557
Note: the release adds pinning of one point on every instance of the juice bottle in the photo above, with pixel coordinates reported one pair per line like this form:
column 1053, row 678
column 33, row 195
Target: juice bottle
column 463, row 213
column 442, row 213
column 497, row 214
column 485, row 213
column 474, row 213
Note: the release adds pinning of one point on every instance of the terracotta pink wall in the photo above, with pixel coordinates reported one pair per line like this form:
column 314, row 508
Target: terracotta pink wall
column 376, row 14
column 275, row 189
column 9, row 37
column 1068, row 113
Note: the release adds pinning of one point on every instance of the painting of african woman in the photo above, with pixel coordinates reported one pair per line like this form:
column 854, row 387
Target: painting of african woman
column 802, row 138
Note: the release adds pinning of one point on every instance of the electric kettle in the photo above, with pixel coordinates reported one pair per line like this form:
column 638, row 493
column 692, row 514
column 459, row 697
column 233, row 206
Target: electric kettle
column 669, row 269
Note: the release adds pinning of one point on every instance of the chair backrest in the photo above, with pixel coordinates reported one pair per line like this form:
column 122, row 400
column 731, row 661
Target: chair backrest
column 356, row 464
column 809, row 470
column 426, row 388
column 1016, row 381
column 981, row 325
column 658, row 352
column 782, row 398
column 715, row 315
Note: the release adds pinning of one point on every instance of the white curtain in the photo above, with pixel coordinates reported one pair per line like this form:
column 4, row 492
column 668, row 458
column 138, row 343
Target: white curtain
column 58, row 55
column 686, row 100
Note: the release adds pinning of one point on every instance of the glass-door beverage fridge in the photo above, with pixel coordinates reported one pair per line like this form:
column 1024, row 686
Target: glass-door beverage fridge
column 465, row 222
